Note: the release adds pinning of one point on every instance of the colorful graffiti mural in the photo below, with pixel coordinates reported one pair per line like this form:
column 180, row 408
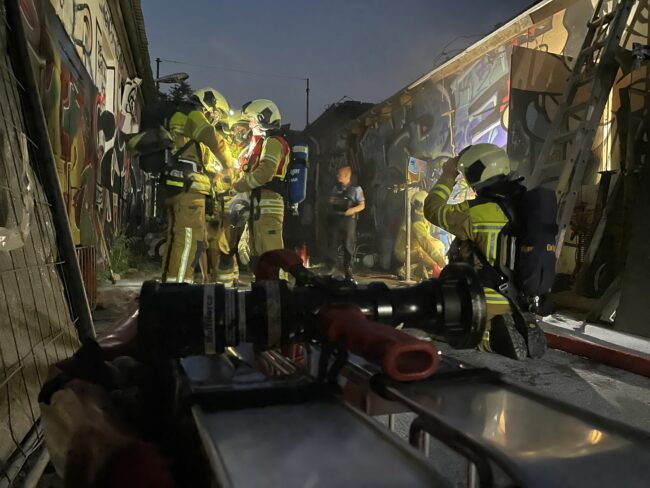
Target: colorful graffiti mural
column 90, row 106
column 468, row 106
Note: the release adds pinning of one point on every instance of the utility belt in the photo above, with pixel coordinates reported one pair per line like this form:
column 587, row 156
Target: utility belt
column 220, row 203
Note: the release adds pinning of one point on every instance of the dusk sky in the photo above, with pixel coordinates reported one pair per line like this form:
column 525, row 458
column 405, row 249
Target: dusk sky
column 363, row 49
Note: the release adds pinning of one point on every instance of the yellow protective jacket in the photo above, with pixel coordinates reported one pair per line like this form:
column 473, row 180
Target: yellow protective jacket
column 429, row 250
column 268, row 160
column 479, row 223
column 207, row 156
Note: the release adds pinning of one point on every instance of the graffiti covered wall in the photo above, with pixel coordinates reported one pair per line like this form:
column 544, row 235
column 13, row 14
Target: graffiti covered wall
column 91, row 105
column 468, row 106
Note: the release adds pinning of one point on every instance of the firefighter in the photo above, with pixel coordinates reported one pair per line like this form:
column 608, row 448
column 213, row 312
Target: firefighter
column 238, row 134
column 264, row 167
column 187, row 181
column 427, row 252
column 478, row 223
column 223, row 234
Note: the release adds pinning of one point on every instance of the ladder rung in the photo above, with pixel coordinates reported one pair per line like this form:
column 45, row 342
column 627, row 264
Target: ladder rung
column 565, row 137
column 594, row 47
column 584, row 79
column 572, row 109
column 553, row 165
column 602, row 20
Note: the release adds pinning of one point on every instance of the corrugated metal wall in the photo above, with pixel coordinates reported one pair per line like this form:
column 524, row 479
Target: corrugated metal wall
column 36, row 326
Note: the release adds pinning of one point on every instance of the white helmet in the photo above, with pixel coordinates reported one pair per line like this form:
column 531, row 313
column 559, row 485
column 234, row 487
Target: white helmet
column 262, row 112
column 480, row 162
column 213, row 103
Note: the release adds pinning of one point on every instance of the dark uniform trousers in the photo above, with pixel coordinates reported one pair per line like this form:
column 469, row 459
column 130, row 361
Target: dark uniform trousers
column 343, row 231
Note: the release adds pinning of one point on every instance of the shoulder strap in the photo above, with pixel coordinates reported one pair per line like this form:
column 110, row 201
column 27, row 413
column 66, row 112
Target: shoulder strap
column 495, row 277
column 185, row 146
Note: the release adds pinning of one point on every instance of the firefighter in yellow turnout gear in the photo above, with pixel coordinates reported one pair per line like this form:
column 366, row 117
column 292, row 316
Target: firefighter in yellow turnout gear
column 427, row 252
column 222, row 245
column 477, row 222
column 264, row 167
column 188, row 181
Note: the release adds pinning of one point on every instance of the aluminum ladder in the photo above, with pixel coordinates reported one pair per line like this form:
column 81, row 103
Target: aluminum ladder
column 566, row 152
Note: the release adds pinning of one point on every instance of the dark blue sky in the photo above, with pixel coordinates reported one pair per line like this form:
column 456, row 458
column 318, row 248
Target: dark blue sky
column 364, row 49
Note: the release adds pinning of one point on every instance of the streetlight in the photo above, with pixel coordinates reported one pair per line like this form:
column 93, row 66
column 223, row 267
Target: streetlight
column 172, row 78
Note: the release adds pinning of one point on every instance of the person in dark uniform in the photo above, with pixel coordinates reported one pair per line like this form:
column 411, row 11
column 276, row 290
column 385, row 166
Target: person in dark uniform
column 345, row 203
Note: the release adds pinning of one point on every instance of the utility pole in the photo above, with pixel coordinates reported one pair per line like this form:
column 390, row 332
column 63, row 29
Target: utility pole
column 157, row 73
column 307, row 91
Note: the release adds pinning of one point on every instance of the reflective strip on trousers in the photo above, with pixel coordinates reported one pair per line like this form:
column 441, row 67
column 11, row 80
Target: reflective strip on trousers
column 225, row 279
column 187, row 247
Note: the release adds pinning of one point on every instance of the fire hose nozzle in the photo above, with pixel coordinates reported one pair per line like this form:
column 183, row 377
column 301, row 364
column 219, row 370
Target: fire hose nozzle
column 401, row 356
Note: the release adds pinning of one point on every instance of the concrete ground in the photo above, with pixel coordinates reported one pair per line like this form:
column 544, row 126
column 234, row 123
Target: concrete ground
column 609, row 392
column 606, row 391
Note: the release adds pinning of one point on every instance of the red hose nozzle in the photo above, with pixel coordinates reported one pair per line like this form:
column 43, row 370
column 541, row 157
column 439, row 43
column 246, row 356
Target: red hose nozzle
column 401, row 356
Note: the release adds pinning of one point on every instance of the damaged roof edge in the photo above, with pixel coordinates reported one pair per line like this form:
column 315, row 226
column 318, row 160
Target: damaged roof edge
column 133, row 21
column 520, row 23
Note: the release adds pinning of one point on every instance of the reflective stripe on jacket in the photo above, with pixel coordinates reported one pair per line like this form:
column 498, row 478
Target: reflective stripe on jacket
column 480, row 223
column 198, row 160
column 268, row 159
column 194, row 126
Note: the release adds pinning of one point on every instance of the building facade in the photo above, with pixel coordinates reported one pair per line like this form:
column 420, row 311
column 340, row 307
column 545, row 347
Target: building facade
column 92, row 62
column 505, row 89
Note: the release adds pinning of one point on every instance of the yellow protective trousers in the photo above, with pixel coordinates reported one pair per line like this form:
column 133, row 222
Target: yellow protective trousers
column 267, row 220
column 221, row 257
column 186, row 234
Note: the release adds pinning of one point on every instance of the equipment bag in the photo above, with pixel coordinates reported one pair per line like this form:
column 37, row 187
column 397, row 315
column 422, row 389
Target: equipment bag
column 154, row 143
column 151, row 146
column 180, row 176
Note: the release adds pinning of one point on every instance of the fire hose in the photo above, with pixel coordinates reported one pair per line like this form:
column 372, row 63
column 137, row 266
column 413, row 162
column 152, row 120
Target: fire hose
column 178, row 320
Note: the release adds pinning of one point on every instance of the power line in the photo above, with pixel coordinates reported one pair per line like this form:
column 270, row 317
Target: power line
column 236, row 70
